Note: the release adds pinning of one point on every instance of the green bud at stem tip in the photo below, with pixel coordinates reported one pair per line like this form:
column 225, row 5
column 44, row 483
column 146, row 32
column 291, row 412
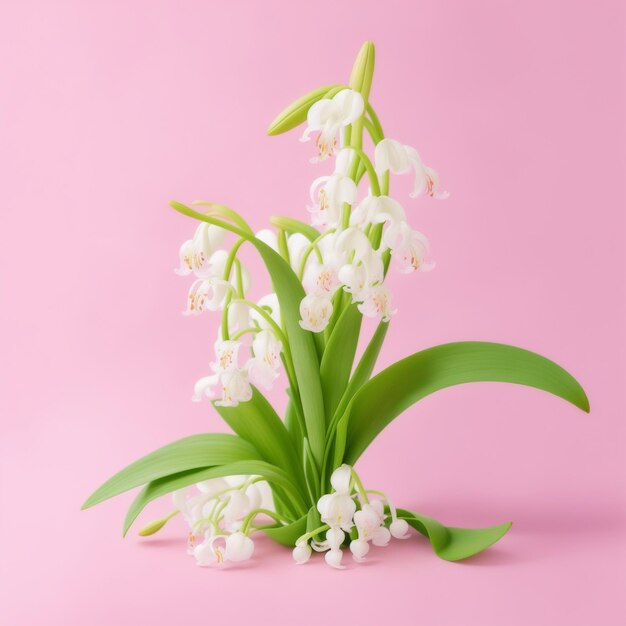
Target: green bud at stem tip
column 363, row 70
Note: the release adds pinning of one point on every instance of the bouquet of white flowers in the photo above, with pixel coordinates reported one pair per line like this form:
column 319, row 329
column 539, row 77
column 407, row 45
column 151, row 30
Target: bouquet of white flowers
column 293, row 478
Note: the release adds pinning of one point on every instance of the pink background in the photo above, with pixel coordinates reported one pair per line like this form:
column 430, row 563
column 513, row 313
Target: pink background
column 109, row 109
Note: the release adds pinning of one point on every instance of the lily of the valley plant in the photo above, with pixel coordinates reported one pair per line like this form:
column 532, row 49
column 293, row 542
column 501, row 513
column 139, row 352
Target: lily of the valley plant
column 293, row 478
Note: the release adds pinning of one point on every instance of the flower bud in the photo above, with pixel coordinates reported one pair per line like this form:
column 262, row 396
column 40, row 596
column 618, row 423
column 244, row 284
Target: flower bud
column 239, row 547
column 333, row 558
column 359, row 548
column 301, row 553
column 399, row 529
column 381, row 537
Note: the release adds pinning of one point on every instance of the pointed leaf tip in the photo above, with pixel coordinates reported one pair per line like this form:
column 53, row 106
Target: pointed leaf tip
column 363, row 70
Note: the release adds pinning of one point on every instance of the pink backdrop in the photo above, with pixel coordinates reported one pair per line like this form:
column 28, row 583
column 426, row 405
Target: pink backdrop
column 109, row 109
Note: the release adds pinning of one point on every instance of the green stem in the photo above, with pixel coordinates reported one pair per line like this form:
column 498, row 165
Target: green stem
column 250, row 517
column 313, row 246
column 312, row 534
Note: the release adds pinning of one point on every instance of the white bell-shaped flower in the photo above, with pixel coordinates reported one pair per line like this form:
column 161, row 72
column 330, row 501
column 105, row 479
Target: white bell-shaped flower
column 315, row 311
column 391, row 155
column 377, row 303
column 337, row 510
column 399, row 529
column 239, row 547
column 329, row 194
column 206, row 294
column 302, row 552
column 321, row 279
column 341, row 479
column 226, row 356
column 204, row 387
column 263, row 367
column 195, row 253
column 235, row 388
column 328, row 116
column 359, row 549
column 333, row 558
column 409, row 248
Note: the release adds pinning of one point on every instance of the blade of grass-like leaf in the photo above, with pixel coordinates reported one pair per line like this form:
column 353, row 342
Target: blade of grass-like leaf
column 291, row 225
column 184, row 454
column 295, row 114
column 167, row 484
column 290, row 292
column 402, row 384
column 336, row 364
column 454, row 544
column 256, row 421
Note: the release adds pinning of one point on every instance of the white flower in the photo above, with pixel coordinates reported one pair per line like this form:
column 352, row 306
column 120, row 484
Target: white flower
column 392, row 155
column 235, row 388
column 239, row 547
column 376, row 210
column 359, row 548
column 328, row 116
column 206, row 554
column 321, row 279
column 399, row 529
column 263, row 367
column 268, row 237
column 302, row 552
column 370, row 525
column 226, row 356
column 341, row 479
column 328, row 194
column 206, row 294
column 297, row 244
column 409, row 248
column 315, row 311
column 333, row 558
column 238, row 316
column 195, row 253
column 204, row 387
column 377, row 303
column 337, row 510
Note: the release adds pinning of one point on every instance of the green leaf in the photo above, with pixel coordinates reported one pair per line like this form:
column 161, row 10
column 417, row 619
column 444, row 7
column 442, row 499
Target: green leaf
column 290, row 292
column 340, row 444
column 291, row 225
column 363, row 70
column 338, row 358
column 287, row 535
column 185, row 454
column 256, row 421
column 166, row 484
column 295, row 114
column 364, row 368
column 454, row 544
column 402, row 384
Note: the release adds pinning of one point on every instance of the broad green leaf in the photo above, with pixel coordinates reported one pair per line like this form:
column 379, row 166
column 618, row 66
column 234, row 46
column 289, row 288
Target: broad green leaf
column 340, row 443
column 295, row 114
column 363, row 70
column 290, row 292
column 185, row 454
column 256, row 421
column 454, row 544
column 338, row 358
column 365, row 367
column 166, row 484
column 402, row 384
column 287, row 535
column 291, row 225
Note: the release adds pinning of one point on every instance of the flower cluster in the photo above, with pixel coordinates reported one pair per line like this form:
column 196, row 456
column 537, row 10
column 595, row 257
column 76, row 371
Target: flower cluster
column 357, row 240
column 219, row 516
column 350, row 513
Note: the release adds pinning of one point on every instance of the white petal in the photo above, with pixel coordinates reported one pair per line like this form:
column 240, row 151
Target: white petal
column 341, row 478
column 301, row 553
column 399, row 529
column 381, row 537
column 333, row 558
column 239, row 547
column 359, row 548
column 335, row 537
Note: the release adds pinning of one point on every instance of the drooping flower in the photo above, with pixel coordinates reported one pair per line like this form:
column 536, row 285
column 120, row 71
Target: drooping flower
column 195, row 253
column 336, row 510
column 321, row 279
column 315, row 311
column 270, row 304
column 328, row 116
column 239, row 547
column 206, row 294
column 329, row 194
column 391, row 155
column 235, row 388
column 263, row 367
column 376, row 210
column 226, row 356
column 302, row 552
column 409, row 248
column 377, row 303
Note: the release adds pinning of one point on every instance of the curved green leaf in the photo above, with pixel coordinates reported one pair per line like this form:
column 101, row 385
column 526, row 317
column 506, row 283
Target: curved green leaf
column 166, row 484
column 291, row 225
column 402, row 384
column 363, row 70
column 295, row 114
column 454, row 544
column 290, row 292
column 336, row 364
column 256, row 421
column 287, row 535
column 364, row 368
column 184, row 454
